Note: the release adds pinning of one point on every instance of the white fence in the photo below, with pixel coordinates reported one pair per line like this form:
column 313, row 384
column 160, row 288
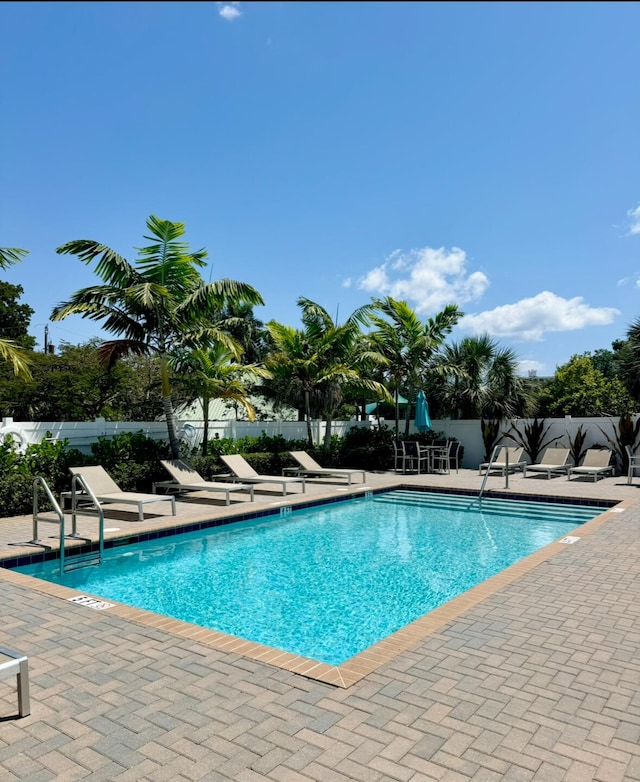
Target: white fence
column 81, row 434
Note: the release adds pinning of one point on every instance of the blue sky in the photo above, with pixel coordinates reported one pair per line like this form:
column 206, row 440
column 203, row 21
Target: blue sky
column 483, row 154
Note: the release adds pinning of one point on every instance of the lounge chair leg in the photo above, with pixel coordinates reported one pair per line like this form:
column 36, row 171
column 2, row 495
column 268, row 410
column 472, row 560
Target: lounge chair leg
column 24, row 703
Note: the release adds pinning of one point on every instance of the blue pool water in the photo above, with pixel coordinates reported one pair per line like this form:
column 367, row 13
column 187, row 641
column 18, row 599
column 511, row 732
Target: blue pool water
column 330, row 581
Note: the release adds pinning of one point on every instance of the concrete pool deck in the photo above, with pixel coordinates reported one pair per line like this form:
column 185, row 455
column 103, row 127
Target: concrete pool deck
column 534, row 677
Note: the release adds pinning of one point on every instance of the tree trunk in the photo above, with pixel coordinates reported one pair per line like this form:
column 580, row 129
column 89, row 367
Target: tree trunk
column 329, row 418
column 174, row 445
column 407, row 419
column 167, row 405
column 307, row 415
column 397, row 412
column 205, row 430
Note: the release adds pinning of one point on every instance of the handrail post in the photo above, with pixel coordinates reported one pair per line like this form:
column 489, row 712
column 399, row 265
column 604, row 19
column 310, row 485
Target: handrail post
column 486, row 475
column 78, row 479
column 60, row 521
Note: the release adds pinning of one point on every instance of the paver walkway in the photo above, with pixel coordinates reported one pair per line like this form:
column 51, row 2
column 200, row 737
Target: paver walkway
column 537, row 681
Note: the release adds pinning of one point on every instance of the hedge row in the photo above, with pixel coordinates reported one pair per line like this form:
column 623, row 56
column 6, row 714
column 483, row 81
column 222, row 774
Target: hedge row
column 133, row 461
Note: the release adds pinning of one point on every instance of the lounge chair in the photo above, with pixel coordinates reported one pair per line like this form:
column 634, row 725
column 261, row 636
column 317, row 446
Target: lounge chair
column 634, row 463
column 595, row 462
column 185, row 478
column 106, row 490
column 309, row 467
column 17, row 664
column 554, row 460
column 516, row 462
column 243, row 471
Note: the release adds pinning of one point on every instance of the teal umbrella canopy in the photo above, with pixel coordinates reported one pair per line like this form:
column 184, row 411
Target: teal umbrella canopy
column 422, row 420
column 370, row 409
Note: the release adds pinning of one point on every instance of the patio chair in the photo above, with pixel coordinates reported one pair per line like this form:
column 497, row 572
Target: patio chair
column 415, row 457
column 186, row 479
column 634, row 463
column 596, row 462
column 398, row 454
column 440, row 458
column 454, row 454
column 516, row 462
column 309, row 467
column 554, row 460
column 106, row 490
column 243, row 471
column 16, row 664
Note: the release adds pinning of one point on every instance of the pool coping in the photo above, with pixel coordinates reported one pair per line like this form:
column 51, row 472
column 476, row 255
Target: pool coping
column 366, row 662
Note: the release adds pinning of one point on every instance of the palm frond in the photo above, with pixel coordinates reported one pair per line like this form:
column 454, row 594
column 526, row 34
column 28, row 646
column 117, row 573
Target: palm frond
column 17, row 356
column 110, row 352
column 110, row 267
column 11, row 255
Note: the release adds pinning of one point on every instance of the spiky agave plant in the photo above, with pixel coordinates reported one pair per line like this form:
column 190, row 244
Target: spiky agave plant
column 532, row 438
column 626, row 433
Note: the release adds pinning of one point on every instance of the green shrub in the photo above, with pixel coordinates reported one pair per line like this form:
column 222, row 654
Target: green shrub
column 132, row 459
column 366, row 449
column 51, row 460
column 48, row 460
column 16, row 494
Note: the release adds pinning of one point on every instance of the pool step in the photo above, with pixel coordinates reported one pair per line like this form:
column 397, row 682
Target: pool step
column 465, row 503
column 502, row 507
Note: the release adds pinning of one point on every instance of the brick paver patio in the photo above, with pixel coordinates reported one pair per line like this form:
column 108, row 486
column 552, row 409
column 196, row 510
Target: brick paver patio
column 537, row 679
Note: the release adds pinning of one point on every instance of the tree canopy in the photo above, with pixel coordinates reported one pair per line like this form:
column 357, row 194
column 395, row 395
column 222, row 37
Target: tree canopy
column 155, row 306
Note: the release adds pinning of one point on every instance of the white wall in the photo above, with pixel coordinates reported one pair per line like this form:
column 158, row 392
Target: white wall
column 82, row 433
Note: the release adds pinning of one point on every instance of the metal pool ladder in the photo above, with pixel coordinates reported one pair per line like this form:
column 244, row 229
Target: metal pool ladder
column 69, row 561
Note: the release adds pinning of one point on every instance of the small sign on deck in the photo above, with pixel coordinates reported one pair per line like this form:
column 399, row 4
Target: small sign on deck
column 91, row 602
column 570, row 539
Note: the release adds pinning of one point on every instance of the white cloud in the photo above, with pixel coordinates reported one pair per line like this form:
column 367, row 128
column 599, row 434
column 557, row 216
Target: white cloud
column 229, row 11
column 530, row 319
column 428, row 279
column 347, row 282
column 634, row 220
column 635, row 280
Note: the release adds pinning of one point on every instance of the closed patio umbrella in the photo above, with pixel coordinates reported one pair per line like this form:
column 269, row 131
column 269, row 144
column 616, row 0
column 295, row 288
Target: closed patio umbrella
column 422, row 420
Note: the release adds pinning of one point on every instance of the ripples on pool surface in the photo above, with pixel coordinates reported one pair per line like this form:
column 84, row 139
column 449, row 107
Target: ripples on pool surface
column 328, row 582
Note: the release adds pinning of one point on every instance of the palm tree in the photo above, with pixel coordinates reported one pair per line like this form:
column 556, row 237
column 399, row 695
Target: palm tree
column 487, row 384
column 410, row 346
column 213, row 373
column 155, row 307
column 10, row 350
column 315, row 364
column 239, row 321
column 629, row 352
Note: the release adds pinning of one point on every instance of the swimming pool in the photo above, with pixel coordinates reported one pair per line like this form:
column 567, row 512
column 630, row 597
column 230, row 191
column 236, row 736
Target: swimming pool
column 327, row 582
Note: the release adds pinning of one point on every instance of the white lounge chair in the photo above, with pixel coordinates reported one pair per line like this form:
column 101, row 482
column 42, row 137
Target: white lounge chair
column 554, row 460
column 309, row 467
column 516, row 462
column 634, row 463
column 243, row 471
column 17, row 664
column 185, row 478
column 106, row 490
column 595, row 462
